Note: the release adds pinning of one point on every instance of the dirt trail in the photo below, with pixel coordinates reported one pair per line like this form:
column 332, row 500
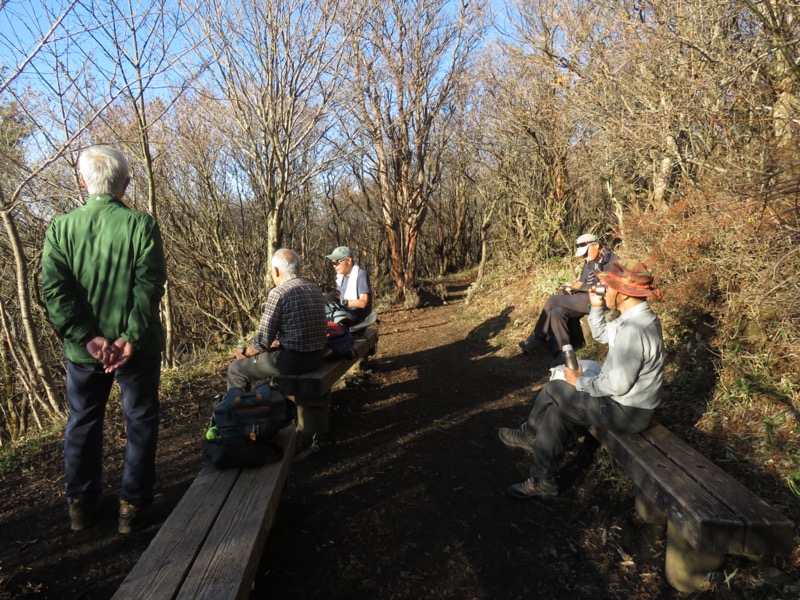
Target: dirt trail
column 406, row 496
column 404, row 499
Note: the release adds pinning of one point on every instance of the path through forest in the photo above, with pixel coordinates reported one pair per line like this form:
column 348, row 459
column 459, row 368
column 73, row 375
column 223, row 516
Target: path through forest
column 404, row 499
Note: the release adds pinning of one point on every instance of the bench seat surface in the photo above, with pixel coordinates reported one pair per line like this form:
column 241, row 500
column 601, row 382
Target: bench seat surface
column 317, row 383
column 712, row 510
column 210, row 545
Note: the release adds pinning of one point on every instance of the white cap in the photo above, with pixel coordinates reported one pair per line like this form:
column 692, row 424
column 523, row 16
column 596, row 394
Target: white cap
column 583, row 243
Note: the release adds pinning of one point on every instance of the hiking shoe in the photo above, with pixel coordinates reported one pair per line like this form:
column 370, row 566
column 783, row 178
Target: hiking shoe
column 515, row 438
column 132, row 517
column 534, row 488
column 82, row 512
column 533, row 346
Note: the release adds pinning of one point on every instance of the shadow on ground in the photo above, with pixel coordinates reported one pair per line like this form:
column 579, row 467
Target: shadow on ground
column 406, row 498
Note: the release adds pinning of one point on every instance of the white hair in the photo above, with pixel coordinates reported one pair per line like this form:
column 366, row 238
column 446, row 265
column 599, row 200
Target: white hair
column 104, row 170
column 287, row 262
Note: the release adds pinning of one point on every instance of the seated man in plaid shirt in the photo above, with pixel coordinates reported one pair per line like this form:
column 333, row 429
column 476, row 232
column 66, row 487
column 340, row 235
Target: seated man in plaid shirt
column 291, row 334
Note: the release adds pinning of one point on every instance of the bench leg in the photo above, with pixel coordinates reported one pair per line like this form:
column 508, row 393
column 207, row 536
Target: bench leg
column 312, row 419
column 648, row 511
column 686, row 568
column 313, row 415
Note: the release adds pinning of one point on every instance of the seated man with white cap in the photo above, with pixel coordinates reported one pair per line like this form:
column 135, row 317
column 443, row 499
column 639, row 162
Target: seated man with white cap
column 551, row 332
column 355, row 293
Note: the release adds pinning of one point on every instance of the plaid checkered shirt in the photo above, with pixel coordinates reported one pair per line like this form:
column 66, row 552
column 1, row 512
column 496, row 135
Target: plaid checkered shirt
column 294, row 314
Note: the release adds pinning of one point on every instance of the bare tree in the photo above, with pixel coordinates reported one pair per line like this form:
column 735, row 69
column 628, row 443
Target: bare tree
column 54, row 113
column 275, row 70
column 141, row 56
column 406, row 64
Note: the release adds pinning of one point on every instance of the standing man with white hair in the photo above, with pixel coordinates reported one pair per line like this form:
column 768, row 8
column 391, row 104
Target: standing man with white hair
column 552, row 332
column 291, row 335
column 103, row 276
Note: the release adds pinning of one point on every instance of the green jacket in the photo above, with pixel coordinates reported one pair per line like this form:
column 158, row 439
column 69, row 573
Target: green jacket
column 103, row 273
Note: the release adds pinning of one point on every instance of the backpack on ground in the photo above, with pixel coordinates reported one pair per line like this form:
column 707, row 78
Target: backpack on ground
column 243, row 425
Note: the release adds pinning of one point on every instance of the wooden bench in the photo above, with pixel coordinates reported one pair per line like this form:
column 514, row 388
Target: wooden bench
column 708, row 513
column 211, row 544
column 311, row 392
column 579, row 331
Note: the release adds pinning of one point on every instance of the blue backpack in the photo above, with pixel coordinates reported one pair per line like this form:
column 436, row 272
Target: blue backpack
column 338, row 341
column 243, row 425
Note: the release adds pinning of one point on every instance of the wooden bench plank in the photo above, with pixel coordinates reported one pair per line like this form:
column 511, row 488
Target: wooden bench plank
column 725, row 517
column 162, row 568
column 216, row 499
column 311, row 391
column 704, row 522
column 767, row 531
column 317, row 383
column 226, row 565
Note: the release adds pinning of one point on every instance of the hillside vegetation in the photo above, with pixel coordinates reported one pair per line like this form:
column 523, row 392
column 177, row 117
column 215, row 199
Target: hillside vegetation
column 433, row 137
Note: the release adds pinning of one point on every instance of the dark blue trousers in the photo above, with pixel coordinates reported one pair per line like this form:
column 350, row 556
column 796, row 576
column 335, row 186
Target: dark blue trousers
column 88, row 388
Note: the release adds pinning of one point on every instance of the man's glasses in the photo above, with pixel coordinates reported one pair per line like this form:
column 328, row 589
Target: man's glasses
column 336, row 262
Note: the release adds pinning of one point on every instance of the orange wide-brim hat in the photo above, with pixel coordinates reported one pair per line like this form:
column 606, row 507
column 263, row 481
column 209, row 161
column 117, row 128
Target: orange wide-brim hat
column 630, row 278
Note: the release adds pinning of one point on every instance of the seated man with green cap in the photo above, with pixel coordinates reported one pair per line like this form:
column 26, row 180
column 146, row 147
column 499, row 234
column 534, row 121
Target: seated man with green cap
column 621, row 398
column 355, row 293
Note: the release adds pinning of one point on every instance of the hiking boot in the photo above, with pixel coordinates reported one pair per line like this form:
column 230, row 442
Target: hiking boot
column 82, row 512
column 132, row 517
column 534, row 488
column 532, row 346
column 515, row 438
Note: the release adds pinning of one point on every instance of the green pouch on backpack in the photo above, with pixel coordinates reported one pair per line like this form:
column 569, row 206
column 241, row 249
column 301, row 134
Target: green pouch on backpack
column 243, row 425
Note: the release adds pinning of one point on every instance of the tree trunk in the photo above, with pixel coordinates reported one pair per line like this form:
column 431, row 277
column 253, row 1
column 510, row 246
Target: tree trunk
column 45, row 379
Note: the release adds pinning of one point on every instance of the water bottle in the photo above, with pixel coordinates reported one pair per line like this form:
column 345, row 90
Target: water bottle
column 570, row 360
column 242, row 345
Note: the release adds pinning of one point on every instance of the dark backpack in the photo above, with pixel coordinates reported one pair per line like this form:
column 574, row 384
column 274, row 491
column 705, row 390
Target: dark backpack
column 338, row 341
column 243, row 425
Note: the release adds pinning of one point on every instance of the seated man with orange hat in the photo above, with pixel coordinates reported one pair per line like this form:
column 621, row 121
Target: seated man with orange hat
column 621, row 398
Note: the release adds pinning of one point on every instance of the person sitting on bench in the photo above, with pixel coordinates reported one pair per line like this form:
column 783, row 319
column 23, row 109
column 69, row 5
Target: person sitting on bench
column 291, row 335
column 551, row 332
column 355, row 294
column 621, row 398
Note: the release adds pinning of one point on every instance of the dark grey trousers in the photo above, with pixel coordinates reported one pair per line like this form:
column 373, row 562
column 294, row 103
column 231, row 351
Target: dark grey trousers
column 552, row 323
column 560, row 409
column 243, row 371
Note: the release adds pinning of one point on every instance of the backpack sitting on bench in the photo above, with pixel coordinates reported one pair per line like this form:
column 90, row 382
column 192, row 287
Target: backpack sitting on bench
column 242, row 426
column 338, row 341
